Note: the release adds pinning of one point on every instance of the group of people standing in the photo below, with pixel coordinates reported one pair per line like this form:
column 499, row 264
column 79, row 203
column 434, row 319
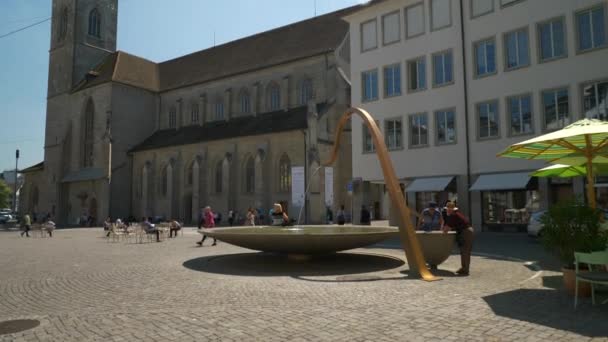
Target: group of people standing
column 432, row 218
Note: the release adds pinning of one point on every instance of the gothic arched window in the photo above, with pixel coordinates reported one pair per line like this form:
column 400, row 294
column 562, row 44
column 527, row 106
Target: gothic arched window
column 172, row 118
column 245, row 101
column 95, row 23
column 219, row 109
column 305, row 91
column 164, row 181
column 194, row 113
column 250, row 176
column 63, row 24
column 218, row 177
column 88, row 132
column 190, row 174
column 274, row 97
column 284, row 174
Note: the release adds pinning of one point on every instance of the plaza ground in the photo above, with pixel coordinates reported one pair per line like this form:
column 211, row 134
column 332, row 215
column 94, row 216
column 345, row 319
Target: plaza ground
column 82, row 288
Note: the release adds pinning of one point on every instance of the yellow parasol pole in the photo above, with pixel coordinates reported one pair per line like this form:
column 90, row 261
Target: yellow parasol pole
column 590, row 181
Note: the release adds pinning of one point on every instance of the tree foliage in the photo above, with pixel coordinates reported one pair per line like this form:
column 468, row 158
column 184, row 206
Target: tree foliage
column 5, row 193
column 570, row 227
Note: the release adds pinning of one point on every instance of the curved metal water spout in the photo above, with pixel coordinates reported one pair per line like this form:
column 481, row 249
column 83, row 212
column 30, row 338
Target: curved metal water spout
column 410, row 243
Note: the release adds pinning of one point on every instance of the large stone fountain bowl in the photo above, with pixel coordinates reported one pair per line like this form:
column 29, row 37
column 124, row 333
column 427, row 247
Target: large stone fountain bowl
column 436, row 246
column 303, row 240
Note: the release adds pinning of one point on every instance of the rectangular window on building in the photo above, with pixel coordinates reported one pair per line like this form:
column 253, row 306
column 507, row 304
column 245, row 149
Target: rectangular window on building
column 369, row 82
column 369, row 35
column 517, row 50
column 393, row 134
column 416, row 74
column 595, row 100
column 446, row 126
column 481, row 7
column 219, row 111
column 556, row 108
column 487, row 119
column 414, row 20
column 591, row 28
column 392, row 80
column 443, row 72
column 552, row 39
column 419, row 130
column 485, row 57
column 391, row 28
column 520, row 114
column 368, row 142
column 441, row 14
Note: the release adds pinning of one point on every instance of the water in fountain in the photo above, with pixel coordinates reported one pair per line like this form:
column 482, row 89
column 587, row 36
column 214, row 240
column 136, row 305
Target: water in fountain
column 306, row 195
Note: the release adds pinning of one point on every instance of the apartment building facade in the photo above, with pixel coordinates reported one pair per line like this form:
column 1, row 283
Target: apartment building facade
column 451, row 83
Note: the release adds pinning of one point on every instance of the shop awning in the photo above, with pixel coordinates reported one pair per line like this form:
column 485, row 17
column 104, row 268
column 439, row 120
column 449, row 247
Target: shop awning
column 502, row 181
column 82, row 175
column 429, row 184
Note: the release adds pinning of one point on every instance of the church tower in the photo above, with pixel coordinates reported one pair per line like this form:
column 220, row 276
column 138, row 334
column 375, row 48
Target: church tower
column 83, row 32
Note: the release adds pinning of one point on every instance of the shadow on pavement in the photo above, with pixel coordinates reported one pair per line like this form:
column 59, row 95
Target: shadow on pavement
column 501, row 246
column 554, row 309
column 270, row 265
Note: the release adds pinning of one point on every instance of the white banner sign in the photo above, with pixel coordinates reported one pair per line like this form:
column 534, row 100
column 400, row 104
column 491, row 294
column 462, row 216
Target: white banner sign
column 297, row 186
column 329, row 186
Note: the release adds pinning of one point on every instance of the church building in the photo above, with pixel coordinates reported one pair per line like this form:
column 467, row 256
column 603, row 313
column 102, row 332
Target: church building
column 224, row 127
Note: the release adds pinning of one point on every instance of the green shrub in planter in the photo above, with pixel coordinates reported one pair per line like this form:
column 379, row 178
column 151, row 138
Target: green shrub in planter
column 572, row 226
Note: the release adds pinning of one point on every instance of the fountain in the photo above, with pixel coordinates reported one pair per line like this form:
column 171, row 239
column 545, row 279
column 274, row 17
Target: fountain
column 300, row 242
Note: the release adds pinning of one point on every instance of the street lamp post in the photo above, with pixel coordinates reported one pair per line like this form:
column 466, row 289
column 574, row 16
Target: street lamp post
column 15, row 185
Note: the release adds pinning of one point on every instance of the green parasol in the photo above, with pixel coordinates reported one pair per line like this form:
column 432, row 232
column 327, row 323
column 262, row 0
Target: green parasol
column 584, row 142
column 567, row 171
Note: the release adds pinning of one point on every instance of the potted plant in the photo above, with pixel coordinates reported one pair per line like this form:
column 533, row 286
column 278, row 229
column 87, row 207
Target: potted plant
column 570, row 227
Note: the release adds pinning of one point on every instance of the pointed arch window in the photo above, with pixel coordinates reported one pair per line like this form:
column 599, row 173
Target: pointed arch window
column 172, row 118
column 305, row 91
column 284, row 174
column 63, row 24
column 190, row 174
column 95, row 23
column 219, row 109
column 274, row 97
column 219, row 177
column 245, row 100
column 194, row 113
column 250, row 176
column 88, row 141
column 164, row 181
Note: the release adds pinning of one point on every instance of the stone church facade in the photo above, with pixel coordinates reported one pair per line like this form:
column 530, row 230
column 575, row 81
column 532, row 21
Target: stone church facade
column 220, row 127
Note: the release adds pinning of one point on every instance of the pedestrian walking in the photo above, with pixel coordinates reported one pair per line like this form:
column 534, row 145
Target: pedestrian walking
column 341, row 215
column 27, row 225
column 209, row 223
column 366, row 218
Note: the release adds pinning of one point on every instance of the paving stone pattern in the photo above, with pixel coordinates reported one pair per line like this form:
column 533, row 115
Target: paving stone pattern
column 83, row 288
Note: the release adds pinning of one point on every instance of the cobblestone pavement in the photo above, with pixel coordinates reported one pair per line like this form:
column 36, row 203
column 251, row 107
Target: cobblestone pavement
column 83, row 288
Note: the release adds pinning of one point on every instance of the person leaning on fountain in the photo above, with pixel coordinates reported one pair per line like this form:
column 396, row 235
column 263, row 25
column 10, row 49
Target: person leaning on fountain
column 464, row 235
column 279, row 217
column 431, row 219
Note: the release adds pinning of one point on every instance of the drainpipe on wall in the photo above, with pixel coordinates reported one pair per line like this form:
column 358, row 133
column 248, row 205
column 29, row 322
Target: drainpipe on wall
column 466, row 107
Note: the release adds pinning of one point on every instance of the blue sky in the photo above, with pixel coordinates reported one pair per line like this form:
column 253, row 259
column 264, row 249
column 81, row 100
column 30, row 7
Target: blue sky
column 154, row 29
